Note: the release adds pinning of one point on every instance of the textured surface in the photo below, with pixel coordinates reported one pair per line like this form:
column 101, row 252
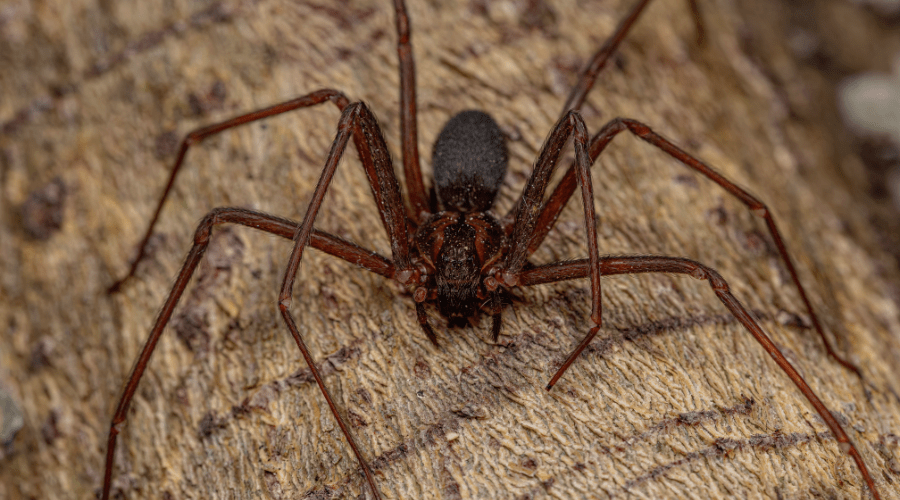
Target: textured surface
column 677, row 402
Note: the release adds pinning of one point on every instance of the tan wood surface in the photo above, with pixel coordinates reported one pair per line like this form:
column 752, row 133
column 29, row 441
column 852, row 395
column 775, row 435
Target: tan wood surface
column 673, row 400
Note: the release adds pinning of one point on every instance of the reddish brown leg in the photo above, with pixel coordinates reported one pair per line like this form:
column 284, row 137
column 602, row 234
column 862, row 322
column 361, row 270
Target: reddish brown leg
column 422, row 317
column 412, row 170
column 528, row 209
column 356, row 119
column 566, row 187
column 601, row 57
column 264, row 222
column 598, row 61
column 496, row 315
column 589, row 74
column 202, row 133
column 650, row 264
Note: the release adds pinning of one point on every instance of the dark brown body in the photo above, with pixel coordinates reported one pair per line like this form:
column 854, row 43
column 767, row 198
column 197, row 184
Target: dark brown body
column 461, row 245
column 457, row 249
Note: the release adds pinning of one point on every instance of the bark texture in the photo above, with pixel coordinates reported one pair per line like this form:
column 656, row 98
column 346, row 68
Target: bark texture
column 673, row 400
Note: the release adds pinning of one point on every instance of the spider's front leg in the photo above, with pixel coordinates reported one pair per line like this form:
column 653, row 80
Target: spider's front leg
column 267, row 223
column 530, row 208
column 358, row 120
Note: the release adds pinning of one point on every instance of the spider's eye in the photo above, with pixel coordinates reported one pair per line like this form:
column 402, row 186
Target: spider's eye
column 458, row 263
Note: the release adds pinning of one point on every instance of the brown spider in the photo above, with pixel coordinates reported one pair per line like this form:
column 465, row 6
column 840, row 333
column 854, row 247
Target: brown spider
column 451, row 249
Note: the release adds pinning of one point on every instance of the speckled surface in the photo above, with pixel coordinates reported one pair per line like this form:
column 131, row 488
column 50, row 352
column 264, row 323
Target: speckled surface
column 677, row 402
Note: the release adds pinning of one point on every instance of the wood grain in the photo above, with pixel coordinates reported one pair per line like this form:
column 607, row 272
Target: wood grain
column 676, row 400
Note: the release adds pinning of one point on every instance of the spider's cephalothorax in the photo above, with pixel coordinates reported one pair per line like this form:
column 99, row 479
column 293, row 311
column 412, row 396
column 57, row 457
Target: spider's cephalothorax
column 461, row 243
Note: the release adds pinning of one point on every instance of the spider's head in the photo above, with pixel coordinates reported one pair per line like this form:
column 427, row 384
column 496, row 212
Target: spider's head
column 458, row 247
column 457, row 280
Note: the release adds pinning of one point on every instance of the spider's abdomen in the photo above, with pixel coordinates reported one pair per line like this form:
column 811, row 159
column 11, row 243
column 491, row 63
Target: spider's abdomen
column 469, row 162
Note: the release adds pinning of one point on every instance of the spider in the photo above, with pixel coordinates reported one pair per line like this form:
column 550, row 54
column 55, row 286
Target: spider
column 449, row 248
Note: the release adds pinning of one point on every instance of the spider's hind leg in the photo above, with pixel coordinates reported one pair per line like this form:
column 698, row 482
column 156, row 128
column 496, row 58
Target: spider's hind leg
column 608, row 266
column 356, row 121
column 598, row 61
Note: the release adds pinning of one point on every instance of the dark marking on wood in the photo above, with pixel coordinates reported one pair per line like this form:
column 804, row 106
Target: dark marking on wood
column 42, row 213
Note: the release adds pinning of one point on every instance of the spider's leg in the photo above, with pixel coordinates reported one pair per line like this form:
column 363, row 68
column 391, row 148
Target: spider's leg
column 589, row 74
column 528, row 208
column 412, row 170
column 583, row 86
column 496, row 311
column 358, row 120
column 350, row 252
column 422, row 317
column 560, row 271
column 532, row 197
column 198, row 135
column 264, row 222
column 566, row 187
column 593, row 68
